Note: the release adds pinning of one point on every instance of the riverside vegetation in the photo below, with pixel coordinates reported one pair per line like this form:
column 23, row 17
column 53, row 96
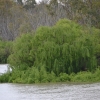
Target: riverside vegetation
column 65, row 52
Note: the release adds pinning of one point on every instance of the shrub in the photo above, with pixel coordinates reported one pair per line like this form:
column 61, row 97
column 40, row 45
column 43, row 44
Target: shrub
column 64, row 48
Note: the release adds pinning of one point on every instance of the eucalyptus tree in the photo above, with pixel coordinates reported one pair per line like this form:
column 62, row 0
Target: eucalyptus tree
column 84, row 11
column 5, row 6
column 30, row 4
column 20, row 2
column 12, row 18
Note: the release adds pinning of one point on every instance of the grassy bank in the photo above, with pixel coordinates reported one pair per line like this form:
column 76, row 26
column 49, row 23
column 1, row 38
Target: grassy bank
column 42, row 76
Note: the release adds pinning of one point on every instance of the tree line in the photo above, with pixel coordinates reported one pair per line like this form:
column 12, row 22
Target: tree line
column 39, row 48
column 18, row 18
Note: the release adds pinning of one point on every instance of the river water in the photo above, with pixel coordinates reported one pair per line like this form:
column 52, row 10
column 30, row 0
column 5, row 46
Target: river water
column 3, row 68
column 59, row 91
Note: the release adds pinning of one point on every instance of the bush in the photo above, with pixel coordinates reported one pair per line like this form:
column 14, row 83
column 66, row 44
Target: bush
column 64, row 77
column 20, row 57
column 53, row 53
column 5, row 50
column 4, row 77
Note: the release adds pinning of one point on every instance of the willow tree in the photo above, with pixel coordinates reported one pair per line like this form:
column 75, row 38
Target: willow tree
column 63, row 48
column 5, row 49
column 19, row 58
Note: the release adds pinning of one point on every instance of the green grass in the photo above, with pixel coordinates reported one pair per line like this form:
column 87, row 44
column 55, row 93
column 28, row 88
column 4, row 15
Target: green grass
column 30, row 77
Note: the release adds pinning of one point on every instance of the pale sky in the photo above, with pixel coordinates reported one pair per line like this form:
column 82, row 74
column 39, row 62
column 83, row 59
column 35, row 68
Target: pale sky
column 35, row 0
column 41, row 0
column 38, row 1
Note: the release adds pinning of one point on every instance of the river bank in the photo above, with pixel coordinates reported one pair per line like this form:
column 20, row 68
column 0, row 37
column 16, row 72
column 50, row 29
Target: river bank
column 28, row 77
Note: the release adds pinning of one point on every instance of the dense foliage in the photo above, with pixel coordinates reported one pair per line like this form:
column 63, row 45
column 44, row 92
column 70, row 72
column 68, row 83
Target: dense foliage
column 22, row 17
column 65, row 48
column 5, row 50
column 54, row 53
column 33, row 75
column 65, row 52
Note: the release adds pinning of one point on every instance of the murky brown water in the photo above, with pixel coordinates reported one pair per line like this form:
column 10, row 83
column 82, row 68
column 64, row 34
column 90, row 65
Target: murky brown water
column 59, row 91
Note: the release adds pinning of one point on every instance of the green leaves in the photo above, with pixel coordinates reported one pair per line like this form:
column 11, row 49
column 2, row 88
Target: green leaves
column 63, row 48
column 20, row 56
column 5, row 50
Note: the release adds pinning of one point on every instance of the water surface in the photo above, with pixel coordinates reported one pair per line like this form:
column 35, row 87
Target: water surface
column 49, row 92
column 3, row 68
column 58, row 91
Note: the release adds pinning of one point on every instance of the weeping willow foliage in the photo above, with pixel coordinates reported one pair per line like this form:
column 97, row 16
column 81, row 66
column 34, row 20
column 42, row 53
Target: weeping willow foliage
column 5, row 49
column 19, row 58
column 63, row 48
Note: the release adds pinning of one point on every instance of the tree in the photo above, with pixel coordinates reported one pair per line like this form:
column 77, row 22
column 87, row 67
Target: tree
column 20, row 2
column 30, row 4
column 11, row 18
column 85, row 11
column 5, row 6
column 63, row 48
column 5, row 50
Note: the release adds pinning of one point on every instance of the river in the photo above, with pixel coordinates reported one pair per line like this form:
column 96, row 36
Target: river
column 57, row 91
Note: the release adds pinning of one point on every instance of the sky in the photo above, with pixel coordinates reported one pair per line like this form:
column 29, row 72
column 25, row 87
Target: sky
column 38, row 1
column 35, row 0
